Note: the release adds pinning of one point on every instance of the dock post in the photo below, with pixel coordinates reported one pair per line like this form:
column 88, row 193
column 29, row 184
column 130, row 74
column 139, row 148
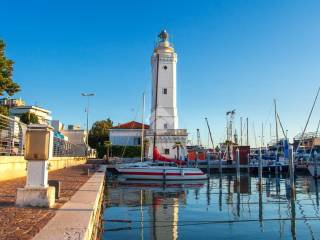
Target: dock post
column 208, row 164
column 238, row 165
column 291, row 172
column 187, row 161
column 220, row 164
column 315, row 162
column 260, row 169
column 248, row 163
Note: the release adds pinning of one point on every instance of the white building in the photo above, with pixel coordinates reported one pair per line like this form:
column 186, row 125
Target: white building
column 43, row 115
column 127, row 134
column 164, row 116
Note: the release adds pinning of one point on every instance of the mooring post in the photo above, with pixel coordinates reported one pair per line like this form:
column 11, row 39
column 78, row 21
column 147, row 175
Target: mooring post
column 187, row 161
column 238, row 165
column 291, row 171
column 315, row 162
column 208, row 164
column 276, row 163
column 260, row 168
column 248, row 163
column 220, row 164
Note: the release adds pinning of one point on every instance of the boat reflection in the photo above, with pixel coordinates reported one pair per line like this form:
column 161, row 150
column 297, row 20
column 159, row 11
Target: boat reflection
column 219, row 207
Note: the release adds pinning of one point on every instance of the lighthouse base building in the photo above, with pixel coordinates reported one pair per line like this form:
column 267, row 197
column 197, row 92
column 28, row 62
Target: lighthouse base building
column 169, row 139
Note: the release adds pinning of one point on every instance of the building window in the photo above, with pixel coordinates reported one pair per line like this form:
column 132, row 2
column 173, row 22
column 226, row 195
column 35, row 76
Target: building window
column 165, row 126
column 136, row 141
column 164, row 90
column 167, row 151
column 165, row 67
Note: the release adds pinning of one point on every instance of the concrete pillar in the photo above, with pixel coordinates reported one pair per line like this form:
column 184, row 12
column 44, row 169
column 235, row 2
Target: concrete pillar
column 38, row 150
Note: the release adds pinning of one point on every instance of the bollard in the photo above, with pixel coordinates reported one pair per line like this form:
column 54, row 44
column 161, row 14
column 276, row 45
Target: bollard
column 38, row 150
column 57, row 185
column 238, row 165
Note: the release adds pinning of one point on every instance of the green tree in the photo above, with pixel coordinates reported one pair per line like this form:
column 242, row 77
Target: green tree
column 4, row 110
column 99, row 133
column 29, row 118
column 7, row 85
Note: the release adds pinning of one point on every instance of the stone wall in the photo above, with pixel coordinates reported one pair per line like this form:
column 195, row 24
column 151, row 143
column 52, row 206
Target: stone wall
column 16, row 166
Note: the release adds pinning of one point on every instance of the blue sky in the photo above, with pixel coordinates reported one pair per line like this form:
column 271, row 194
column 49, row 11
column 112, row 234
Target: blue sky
column 231, row 55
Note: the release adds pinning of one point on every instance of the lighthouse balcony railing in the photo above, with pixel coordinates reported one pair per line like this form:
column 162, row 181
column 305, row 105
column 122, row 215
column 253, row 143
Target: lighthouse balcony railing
column 167, row 132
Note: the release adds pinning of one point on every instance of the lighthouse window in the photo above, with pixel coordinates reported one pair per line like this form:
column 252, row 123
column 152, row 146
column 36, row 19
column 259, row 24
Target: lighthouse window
column 165, row 67
column 166, row 151
column 164, row 91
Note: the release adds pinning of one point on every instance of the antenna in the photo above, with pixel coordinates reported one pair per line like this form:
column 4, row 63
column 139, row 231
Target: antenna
column 198, row 138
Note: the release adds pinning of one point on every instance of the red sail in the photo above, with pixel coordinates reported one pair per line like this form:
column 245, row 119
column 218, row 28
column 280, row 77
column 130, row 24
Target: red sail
column 158, row 157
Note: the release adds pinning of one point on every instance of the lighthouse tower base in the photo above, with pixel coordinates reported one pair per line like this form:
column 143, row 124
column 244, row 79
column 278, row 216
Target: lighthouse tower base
column 170, row 143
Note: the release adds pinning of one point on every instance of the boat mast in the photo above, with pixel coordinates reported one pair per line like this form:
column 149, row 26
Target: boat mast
column 156, row 104
column 211, row 139
column 276, row 120
column 305, row 127
column 241, row 131
column 142, row 128
column 247, row 131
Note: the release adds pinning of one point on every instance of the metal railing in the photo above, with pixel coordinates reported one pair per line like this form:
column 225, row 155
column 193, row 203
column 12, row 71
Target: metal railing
column 62, row 148
column 167, row 132
column 12, row 136
column 12, row 139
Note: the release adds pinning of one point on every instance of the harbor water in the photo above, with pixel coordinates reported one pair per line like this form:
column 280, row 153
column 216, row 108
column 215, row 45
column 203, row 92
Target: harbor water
column 218, row 208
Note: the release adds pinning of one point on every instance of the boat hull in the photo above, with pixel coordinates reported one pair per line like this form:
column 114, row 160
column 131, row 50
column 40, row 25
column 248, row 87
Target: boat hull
column 162, row 174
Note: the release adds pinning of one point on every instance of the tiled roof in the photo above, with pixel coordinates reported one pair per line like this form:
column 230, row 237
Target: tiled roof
column 131, row 125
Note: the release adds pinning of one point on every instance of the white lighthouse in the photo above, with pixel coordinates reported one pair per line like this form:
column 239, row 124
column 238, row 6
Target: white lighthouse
column 164, row 116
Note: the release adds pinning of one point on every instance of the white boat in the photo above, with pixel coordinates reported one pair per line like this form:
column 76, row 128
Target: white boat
column 159, row 171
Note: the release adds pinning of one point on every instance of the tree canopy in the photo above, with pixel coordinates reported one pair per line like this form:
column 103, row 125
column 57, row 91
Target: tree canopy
column 99, row 133
column 29, row 118
column 4, row 110
column 7, row 85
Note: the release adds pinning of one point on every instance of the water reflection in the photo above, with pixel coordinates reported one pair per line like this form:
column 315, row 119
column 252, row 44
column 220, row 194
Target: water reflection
column 220, row 207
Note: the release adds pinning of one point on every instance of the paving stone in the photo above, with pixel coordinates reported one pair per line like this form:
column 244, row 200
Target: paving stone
column 24, row 223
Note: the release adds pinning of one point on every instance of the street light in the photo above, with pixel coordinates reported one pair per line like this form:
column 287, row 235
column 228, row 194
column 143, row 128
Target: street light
column 88, row 95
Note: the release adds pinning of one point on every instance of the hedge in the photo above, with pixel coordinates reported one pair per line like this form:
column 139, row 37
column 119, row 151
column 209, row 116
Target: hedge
column 117, row 151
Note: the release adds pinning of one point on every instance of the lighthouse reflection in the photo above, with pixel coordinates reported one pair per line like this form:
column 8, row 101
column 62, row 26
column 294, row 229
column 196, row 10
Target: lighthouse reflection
column 220, row 208
column 155, row 205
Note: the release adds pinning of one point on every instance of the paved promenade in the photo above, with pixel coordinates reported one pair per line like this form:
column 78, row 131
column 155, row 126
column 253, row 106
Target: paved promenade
column 24, row 223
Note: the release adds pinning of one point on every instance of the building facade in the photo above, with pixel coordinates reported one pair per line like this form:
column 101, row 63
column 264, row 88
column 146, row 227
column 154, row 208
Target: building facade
column 164, row 126
column 43, row 115
column 127, row 134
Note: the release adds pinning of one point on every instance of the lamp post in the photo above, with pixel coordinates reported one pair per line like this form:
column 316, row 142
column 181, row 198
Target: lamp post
column 88, row 95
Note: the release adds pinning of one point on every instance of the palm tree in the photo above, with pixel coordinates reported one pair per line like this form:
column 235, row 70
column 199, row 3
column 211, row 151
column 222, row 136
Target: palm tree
column 107, row 145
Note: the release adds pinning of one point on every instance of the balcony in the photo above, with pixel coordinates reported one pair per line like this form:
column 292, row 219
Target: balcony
column 167, row 132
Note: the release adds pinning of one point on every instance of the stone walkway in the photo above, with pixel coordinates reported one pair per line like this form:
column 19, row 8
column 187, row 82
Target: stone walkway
column 24, row 223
